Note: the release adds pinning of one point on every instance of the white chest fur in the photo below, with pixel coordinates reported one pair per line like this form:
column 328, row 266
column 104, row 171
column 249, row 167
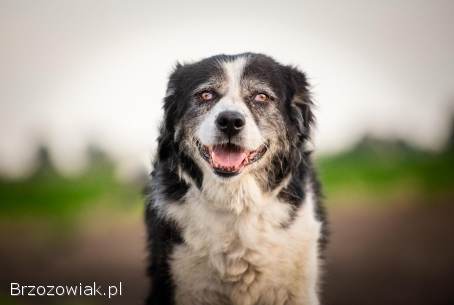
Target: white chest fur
column 237, row 252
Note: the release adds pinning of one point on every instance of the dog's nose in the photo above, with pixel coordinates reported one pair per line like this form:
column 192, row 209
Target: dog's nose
column 230, row 122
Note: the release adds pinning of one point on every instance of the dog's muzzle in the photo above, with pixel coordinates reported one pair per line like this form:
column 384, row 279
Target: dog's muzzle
column 229, row 159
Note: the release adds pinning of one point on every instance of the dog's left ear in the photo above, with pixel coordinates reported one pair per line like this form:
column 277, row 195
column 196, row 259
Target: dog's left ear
column 299, row 99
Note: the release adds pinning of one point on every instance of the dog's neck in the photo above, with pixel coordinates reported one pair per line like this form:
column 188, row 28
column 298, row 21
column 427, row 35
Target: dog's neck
column 239, row 195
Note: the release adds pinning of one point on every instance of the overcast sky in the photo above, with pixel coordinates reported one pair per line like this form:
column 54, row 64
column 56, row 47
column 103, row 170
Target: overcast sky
column 77, row 72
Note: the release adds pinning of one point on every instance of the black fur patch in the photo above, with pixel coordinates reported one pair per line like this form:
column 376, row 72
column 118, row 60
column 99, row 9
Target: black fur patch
column 162, row 237
column 192, row 169
column 171, row 186
column 320, row 211
column 294, row 193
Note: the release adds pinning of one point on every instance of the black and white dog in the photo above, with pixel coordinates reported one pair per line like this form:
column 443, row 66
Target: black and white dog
column 233, row 213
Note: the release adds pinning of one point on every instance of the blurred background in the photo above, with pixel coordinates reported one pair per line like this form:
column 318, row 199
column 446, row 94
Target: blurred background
column 81, row 84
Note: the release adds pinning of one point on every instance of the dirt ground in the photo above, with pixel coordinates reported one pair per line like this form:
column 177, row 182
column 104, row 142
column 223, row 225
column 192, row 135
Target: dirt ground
column 391, row 256
column 376, row 256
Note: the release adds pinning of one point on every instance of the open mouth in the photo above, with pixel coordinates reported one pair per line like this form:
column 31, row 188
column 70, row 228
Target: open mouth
column 229, row 159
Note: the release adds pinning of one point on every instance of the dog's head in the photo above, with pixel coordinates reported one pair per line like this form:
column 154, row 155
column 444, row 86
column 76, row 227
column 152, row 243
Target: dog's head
column 230, row 116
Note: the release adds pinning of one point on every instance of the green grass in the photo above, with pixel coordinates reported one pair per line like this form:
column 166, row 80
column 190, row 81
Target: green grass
column 47, row 193
column 385, row 173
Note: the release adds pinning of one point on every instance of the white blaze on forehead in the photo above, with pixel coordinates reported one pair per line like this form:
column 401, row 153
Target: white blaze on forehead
column 234, row 72
column 232, row 100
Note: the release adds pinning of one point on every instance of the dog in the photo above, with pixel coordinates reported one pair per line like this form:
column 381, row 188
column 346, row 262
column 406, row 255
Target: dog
column 233, row 211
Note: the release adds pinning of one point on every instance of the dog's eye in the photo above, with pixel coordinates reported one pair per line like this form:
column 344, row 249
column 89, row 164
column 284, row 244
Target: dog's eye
column 206, row 96
column 261, row 97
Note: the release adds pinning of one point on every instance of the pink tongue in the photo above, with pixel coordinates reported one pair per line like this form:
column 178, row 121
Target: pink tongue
column 223, row 157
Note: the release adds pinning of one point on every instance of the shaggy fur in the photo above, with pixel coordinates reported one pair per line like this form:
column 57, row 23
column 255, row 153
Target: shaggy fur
column 233, row 212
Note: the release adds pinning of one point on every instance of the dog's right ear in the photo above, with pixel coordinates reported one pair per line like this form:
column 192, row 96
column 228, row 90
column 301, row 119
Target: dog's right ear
column 166, row 145
column 171, row 84
column 172, row 96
